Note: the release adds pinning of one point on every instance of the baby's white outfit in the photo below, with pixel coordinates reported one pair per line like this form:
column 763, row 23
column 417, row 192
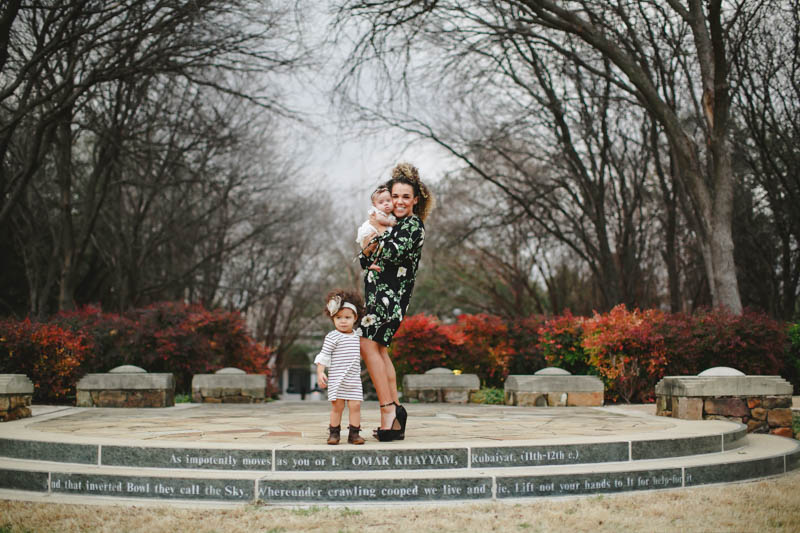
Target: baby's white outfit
column 341, row 354
column 367, row 228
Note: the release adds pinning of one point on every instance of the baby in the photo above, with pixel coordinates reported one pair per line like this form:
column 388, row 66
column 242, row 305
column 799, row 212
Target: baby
column 380, row 216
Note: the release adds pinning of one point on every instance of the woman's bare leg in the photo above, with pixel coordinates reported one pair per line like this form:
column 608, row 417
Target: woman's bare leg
column 391, row 376
column 376, row 366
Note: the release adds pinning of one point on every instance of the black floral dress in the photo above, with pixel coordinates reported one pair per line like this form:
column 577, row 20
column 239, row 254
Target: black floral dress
column 388, row 292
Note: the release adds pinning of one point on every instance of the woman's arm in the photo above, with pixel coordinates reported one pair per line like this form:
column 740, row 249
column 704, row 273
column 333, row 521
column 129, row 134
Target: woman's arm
column 406, row 237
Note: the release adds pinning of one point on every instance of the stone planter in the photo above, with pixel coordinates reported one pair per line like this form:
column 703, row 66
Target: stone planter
column 229, row 385
column 762, row 403
column 553, row 387
column 126, row 386
column 16, row 394
column 440, row 385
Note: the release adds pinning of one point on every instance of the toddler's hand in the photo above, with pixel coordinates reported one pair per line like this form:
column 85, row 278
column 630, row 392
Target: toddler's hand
column 370, row 249
column 322, row 379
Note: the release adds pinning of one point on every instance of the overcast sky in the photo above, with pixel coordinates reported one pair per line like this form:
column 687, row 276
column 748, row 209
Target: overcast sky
column 336, row 154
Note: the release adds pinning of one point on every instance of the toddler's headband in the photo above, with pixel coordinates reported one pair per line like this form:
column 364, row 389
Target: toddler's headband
column 335, row 303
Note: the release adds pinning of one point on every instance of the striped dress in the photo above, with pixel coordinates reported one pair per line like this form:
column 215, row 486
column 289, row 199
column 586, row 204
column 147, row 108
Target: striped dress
column 341, row 354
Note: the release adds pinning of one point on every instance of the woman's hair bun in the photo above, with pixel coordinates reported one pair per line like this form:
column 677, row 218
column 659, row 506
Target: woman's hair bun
column 407, row 171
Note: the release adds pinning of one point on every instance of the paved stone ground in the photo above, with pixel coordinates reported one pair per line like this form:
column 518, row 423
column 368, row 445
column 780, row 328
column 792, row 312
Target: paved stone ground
column 288, row 423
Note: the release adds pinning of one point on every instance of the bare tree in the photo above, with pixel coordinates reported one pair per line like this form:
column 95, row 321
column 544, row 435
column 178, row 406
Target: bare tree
column 769, row 106
column 94, row 95
column 566, row 150
column 700, row 39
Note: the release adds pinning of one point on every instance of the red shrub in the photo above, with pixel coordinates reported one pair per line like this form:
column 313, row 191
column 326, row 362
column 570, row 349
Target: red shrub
column 627, row 350
column 527, row 356
column 751, row 342
column 421, row 343
column 483, row 348
column 49, row 355
column 189, row 339
column 560, row 343
column 113, row 337
column 168, row 337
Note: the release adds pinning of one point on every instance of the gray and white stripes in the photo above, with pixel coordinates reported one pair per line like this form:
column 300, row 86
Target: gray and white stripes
column 341, row 353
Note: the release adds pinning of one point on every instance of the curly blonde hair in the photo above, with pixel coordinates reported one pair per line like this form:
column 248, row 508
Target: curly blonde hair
column 409, row 174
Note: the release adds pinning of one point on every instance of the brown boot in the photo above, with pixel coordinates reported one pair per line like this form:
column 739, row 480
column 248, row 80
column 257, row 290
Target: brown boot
column 333, row 437
column 354, row 437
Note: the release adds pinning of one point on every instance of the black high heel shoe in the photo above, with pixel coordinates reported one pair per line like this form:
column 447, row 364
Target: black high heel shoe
column 401, row 415
column 397, row 431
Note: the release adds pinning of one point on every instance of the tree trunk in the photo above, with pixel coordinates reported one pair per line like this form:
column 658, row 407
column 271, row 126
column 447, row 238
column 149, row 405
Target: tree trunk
column 63, row 151
column 726, row 286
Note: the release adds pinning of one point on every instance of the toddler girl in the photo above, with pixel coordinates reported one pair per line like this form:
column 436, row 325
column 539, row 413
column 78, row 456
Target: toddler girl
column 380, row 216
column 341, row 355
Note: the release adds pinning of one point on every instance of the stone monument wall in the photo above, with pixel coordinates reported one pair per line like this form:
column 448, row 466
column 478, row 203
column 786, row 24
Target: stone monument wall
column 14, row 406
column 126, row 386
column 440, row 385
column 16, row 394
column 229, row 385
column 126, row 398
column 761, row 414
column 553, row 387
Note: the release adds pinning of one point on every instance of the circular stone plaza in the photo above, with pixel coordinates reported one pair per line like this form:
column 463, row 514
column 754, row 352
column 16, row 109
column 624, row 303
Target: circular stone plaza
column 275, row 454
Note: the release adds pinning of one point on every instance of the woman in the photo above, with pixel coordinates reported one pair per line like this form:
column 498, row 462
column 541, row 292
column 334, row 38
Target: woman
column 391, row 261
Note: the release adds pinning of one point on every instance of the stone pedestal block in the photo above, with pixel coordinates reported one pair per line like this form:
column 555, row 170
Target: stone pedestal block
column 126, row 387
column 16, row 394
column 229, row 385
column 552, row 389
column 762, row 403
column 687, row 408
column 438, row 386
column 584, row 399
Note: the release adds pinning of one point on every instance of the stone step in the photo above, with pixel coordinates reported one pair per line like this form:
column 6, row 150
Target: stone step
column 756, row 456
column 397, row 456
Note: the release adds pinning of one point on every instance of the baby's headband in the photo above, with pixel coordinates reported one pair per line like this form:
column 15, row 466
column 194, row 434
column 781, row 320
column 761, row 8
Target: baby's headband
column 335, row 303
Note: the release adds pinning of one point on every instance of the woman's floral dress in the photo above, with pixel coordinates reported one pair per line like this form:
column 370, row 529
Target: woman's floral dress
column 388, row 292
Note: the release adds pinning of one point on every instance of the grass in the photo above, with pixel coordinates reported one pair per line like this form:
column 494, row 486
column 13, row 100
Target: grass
column 183, row 398
column 488, row 396
column 764, row 506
